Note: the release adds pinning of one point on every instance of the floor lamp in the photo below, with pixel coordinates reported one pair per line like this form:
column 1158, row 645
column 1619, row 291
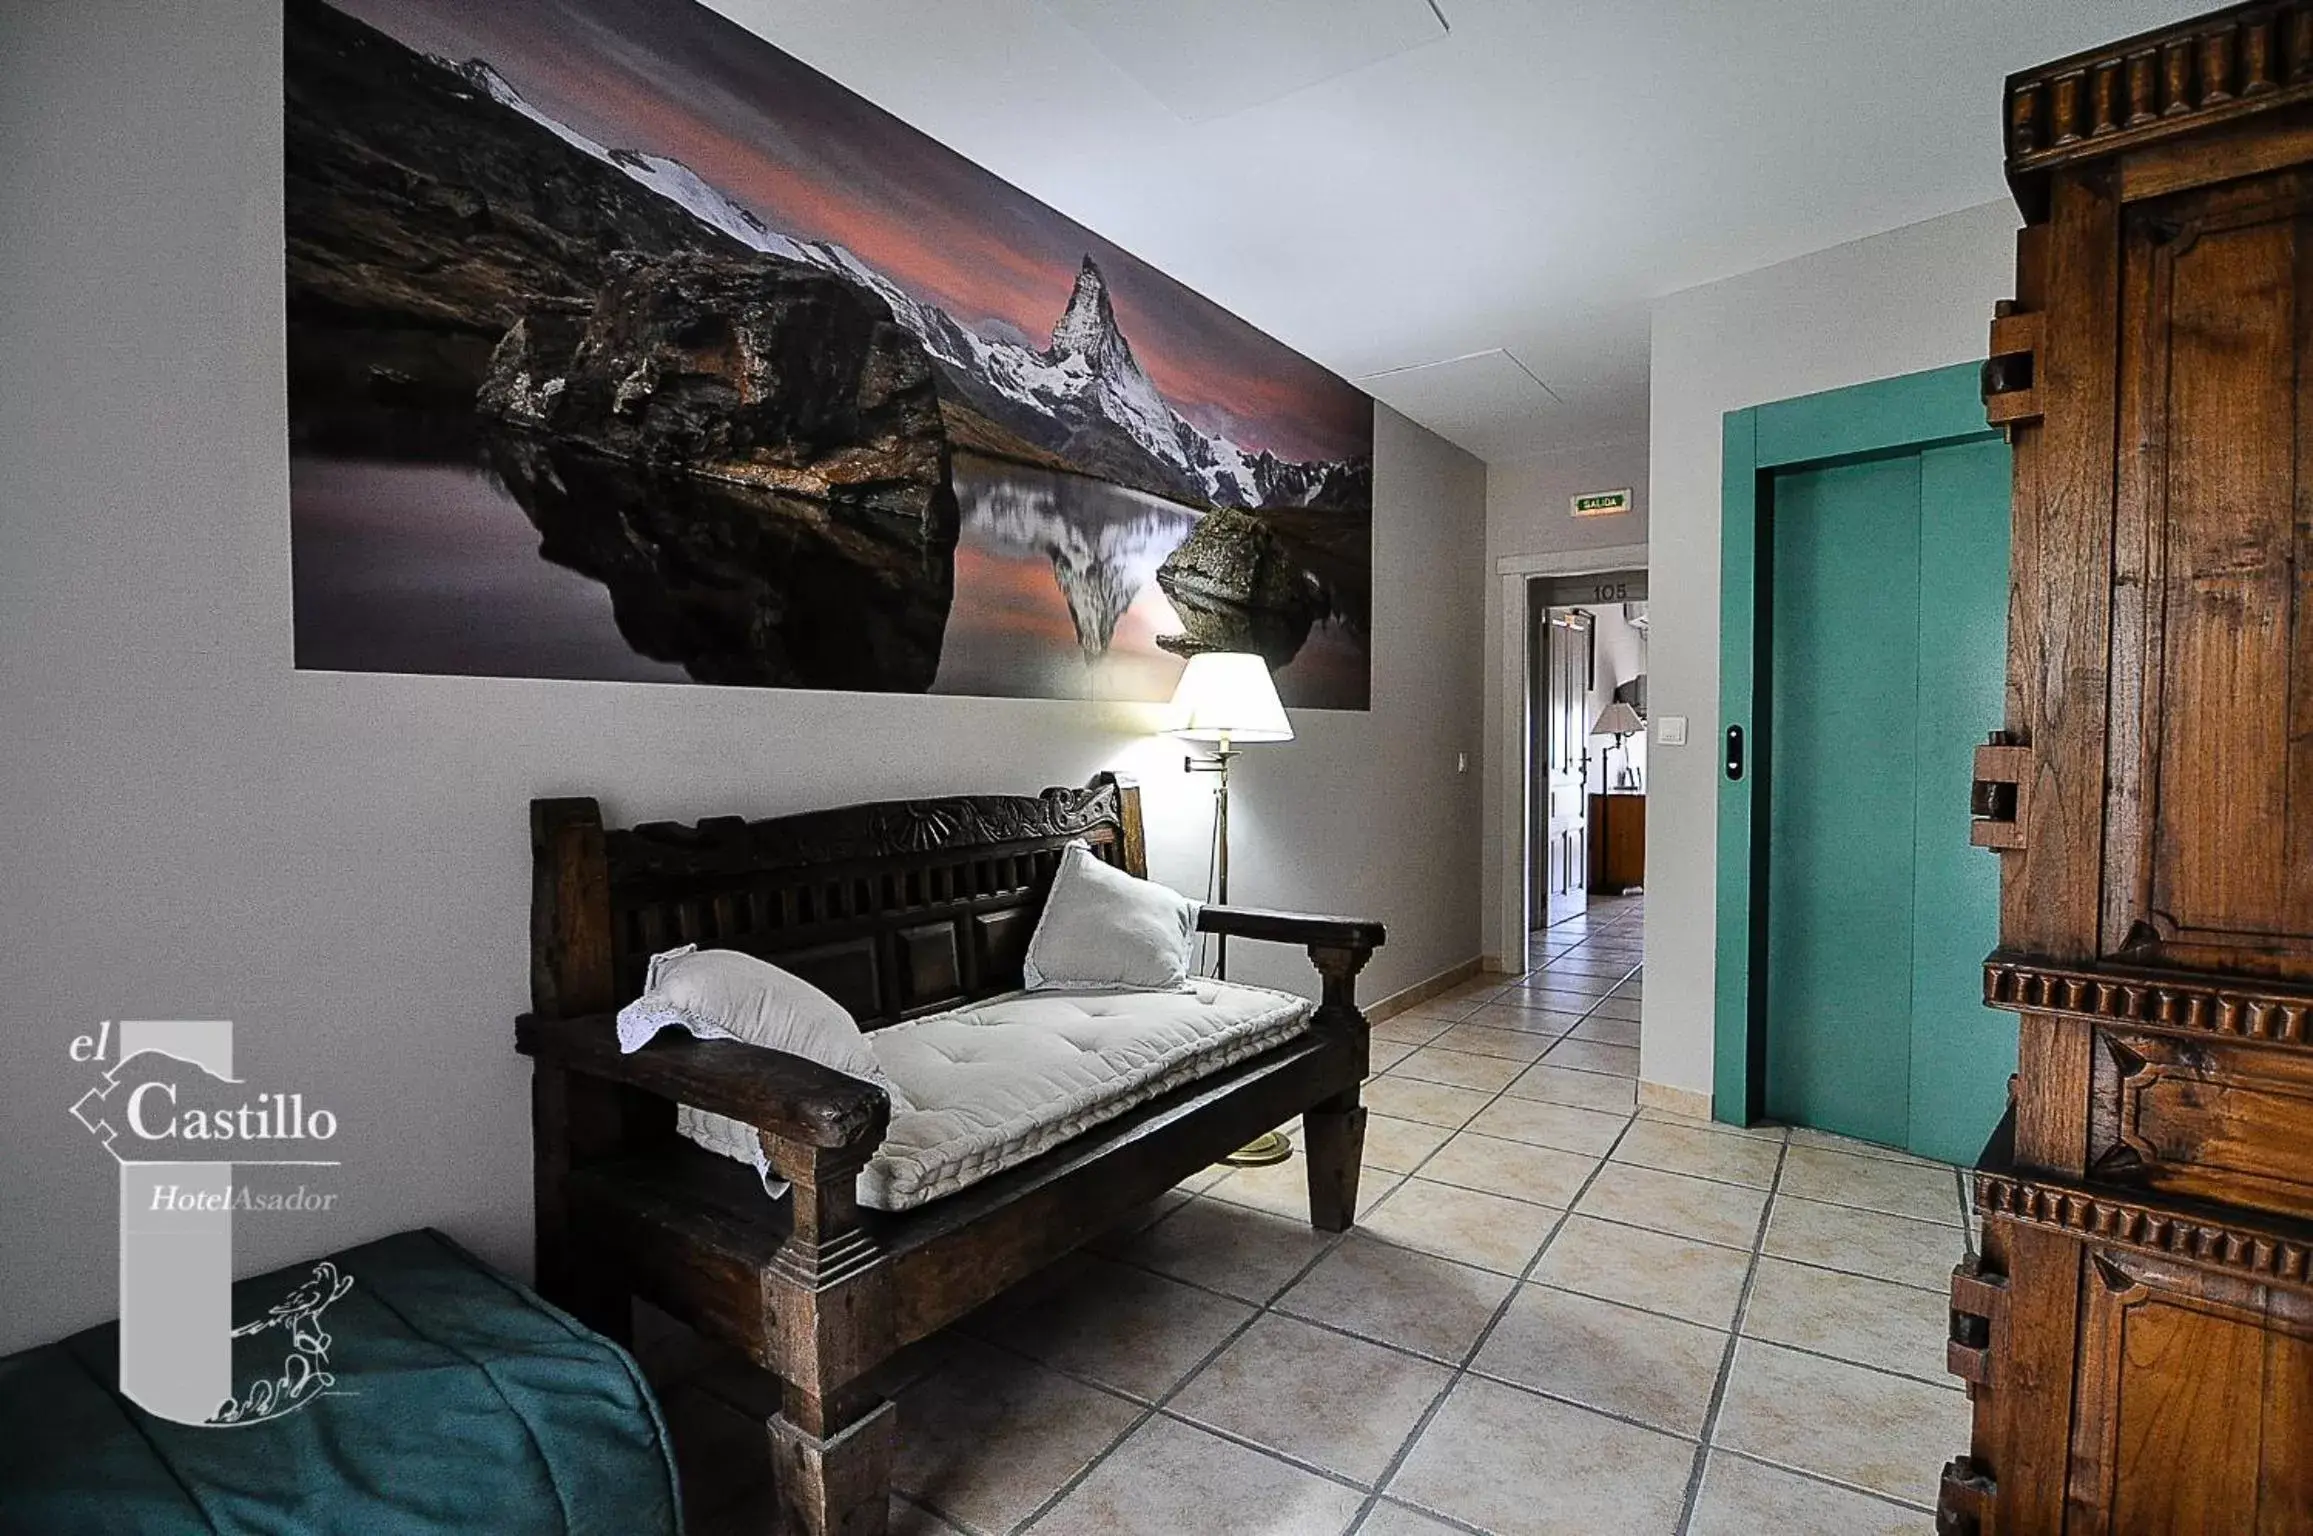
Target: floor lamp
column 1226, row 698
column 1617, row 720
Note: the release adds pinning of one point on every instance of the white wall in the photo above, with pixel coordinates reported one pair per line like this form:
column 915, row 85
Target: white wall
column 1914, row 298
column 340, row 863
column 1527, row 513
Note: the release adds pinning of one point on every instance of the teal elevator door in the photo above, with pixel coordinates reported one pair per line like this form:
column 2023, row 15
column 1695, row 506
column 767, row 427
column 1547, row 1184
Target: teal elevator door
column 1888, row 596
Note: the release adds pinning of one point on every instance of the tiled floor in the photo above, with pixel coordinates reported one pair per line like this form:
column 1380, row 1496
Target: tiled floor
column 1559, row 1313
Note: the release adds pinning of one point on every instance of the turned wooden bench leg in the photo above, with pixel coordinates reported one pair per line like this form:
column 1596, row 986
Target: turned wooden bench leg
column 1334, row 1136
column 830, row 1296
column 833, row 1470
column 1334, row 1129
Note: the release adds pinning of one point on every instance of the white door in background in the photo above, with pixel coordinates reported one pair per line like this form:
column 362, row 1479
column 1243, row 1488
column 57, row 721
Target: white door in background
column 1562, row 763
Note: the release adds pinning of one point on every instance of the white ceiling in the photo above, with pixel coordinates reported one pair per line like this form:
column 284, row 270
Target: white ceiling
column 1471, row 225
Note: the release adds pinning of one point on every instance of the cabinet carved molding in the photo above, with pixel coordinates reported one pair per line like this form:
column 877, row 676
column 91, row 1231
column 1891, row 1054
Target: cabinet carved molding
column 2186, row 79
column 2196, row 1004
column 2112, row 1219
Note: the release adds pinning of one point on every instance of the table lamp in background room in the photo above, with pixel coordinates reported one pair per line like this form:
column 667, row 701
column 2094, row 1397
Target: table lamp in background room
column 1618, row 720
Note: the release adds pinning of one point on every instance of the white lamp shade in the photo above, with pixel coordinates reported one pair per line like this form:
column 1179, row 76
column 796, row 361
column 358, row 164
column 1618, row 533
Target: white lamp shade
column 1617, row 719
column 1228, row 694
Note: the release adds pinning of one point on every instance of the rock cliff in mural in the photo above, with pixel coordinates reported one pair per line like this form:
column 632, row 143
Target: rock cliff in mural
column 782, row 464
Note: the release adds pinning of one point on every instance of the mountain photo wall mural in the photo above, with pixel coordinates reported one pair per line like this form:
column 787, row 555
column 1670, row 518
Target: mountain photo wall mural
column 623, row 345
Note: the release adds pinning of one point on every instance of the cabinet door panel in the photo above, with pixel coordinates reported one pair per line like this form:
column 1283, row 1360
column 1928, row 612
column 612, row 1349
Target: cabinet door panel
column 2193, row 1390
column 2212, row 1118
column 2210, row 827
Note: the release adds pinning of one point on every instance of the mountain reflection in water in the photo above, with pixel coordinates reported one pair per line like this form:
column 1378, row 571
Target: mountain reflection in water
column 417, row 564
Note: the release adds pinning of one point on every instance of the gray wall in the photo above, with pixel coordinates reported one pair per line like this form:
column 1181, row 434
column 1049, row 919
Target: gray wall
column 1913, row 298
column 1528, row 514
column 339, row 863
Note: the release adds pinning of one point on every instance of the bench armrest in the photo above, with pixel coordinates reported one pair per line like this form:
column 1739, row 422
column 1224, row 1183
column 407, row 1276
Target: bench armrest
column 1338, row 947
column 1292, row 927
column 793, row 1099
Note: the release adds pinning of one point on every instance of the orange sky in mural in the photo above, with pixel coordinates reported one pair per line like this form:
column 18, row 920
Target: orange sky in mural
column 814, row 160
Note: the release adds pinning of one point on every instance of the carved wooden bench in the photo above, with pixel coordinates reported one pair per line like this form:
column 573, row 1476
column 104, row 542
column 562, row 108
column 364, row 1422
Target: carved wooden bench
column 897, row 909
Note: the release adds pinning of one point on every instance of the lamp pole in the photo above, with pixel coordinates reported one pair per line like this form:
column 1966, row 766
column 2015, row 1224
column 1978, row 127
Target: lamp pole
column 1219, row 763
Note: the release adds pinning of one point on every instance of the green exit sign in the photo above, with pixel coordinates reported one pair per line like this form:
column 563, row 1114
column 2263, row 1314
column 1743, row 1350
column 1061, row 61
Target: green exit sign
column 1602, row 503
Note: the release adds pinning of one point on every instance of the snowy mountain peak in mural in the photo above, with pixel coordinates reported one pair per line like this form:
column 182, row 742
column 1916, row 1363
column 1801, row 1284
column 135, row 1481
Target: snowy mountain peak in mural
column 618, row 365
column 1087, row 376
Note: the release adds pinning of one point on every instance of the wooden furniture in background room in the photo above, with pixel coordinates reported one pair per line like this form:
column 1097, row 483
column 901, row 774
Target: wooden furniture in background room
column 1617, row 842
column 2137, row 1332
column 897, row 910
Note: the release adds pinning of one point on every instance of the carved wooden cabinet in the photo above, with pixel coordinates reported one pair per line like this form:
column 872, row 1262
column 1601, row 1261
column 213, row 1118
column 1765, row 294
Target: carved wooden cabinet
column 2137, row 1329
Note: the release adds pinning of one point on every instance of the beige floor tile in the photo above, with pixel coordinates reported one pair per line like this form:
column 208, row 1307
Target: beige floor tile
column 1532, row 1021
column 1743, row 1498
column 990, row 1436
column 1409, row 1098
column 1854, row 1317
column 1139, row 1219
column 1675, row 1203
column 1468, row 1226
column 1171, row 1477
column 1396, row 1520
column 1512, row 1044
column 1519, row 1169
column 1923, row 1191
column 1606, row 1031
column 1395, row 1295
column 1330, row 1400
column 1282, row 1189
column 1203, row 1179
column 1593, row 1056
column 1700, row 1282
column 1235, row 1249
column 1440, row 1014
column 1462, row 1069
column 1410, row 1029
column 1568, row 979
column 1482, row 1460
column 1589, row 961
column 1890, row 1434
column 1808, row 1136
column 1897, row 1248
column 1617, row 1006
column 1704, row 1153
column 906, row 1520
column 1399, row 1146
column 1563, row 1126
column 1118, row 1326
column 1654, row 1369
column 1559, row 1000
column 1705, row 1123
column 1381, row 1055
column 1584, row 1090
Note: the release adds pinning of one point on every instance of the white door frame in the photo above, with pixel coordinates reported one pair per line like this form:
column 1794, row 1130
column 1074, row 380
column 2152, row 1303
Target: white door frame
column 1513, row 793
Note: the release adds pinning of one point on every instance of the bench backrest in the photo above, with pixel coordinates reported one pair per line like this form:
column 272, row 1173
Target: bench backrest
column 897, row 908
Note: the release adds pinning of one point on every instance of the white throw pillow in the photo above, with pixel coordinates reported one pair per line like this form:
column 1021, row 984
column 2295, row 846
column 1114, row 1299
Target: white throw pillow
column 1106, row 931
column 720, row 994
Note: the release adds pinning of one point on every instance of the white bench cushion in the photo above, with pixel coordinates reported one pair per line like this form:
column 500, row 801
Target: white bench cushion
column 998, row 1082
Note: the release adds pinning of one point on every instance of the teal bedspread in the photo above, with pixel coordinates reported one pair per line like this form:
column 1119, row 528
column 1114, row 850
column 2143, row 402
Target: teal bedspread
column 462, row 1403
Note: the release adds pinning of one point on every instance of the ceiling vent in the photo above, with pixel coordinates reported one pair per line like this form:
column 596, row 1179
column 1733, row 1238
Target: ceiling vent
column 1488, row 403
